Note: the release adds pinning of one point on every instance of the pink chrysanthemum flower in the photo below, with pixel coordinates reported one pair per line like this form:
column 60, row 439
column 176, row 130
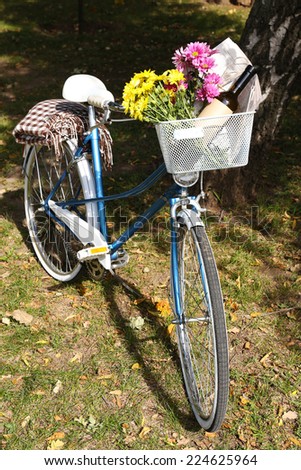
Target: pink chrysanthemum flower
column 195, row 56
column 210, row 89
column 181, row 63
column 199, row 54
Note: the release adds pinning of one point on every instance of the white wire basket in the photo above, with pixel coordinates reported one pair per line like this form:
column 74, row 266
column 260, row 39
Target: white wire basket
column 202, row 144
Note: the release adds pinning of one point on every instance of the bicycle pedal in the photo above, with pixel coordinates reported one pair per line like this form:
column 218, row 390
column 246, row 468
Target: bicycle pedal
column 122, row 260
column 92, row 252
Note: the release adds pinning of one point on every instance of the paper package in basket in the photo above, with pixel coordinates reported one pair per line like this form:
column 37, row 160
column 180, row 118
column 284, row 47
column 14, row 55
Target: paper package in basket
column 230, row 64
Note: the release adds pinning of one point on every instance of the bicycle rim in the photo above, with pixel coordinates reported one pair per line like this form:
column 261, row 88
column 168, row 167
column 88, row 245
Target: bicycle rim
column 54, row 244
column 201, row 329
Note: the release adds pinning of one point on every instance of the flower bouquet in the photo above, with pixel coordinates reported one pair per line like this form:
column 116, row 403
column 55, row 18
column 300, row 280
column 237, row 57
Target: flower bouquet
column 173, row 101
column 177, row 93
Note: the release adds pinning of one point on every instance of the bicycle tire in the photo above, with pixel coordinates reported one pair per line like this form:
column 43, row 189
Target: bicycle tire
column 54, row 244
column 201, row 328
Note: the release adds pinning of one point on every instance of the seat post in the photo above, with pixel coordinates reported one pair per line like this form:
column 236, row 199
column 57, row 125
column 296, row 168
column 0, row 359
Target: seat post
column 97, row 166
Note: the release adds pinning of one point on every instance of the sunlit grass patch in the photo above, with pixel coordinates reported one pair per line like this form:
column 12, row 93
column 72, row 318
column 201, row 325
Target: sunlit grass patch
column 95, row 365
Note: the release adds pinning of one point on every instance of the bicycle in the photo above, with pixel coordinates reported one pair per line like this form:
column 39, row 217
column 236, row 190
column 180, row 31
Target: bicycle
column 65, row 211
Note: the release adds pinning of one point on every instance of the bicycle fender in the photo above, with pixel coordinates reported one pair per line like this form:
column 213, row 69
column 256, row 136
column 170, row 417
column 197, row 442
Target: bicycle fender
column 190, row 218
column 26, row 152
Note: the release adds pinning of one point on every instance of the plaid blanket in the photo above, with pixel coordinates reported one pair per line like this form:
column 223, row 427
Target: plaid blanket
column 51, row 122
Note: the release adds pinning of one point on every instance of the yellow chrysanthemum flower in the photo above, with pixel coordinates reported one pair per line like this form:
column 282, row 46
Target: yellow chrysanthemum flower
column 136, row 91
column 154, row 98
column 173, row 77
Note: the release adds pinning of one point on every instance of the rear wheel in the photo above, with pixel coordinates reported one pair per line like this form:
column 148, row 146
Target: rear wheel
column 54, row 244
column 201, row 327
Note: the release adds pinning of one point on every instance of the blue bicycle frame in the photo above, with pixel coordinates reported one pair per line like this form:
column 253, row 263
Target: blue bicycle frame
column 171, row 195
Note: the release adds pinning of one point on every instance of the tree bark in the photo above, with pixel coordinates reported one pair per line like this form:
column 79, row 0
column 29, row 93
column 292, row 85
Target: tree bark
column 272, row 40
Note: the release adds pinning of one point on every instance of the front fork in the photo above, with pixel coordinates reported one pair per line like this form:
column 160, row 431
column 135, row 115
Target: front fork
column 184, row 211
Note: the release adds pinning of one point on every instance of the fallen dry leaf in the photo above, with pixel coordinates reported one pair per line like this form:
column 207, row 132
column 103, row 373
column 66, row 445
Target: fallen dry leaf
column 295, row 441
column 241, row 435
column 233, row 316
column 104, row 376
column 238, row 283
column 39, row 392
column 171, row 328
column 163, row 308
column 56, row 445
column 25, row 360
column 81, row 289
column 58, row 387
column 264, row 358
column 244, row 400
column 70, row 317
column 144, row 431
column 234, row 330
column 211, row 435
column 6, row 415
column 25, row 422
column 129, row 439
column 257, row 262
column 118, row 402
column 139, row 301
column 22, row 317
column 231, row 304
column 5, row 274
column 183, row 441
column 56, row 435
column 116, row 392
column 290, row 415
column 77, row 358
column 171, row 441
column 137, row 323
column 255, row 314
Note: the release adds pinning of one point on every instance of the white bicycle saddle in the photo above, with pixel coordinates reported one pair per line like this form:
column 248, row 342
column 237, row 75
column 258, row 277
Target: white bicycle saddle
column 81, row 86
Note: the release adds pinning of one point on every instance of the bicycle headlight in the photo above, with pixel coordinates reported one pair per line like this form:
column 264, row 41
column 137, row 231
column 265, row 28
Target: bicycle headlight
column 186, row 179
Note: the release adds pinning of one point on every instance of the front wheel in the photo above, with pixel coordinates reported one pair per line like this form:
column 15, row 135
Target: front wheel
column 201, row 326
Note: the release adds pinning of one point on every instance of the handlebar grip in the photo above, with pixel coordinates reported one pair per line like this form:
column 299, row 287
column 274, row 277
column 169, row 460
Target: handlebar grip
column 101, row 100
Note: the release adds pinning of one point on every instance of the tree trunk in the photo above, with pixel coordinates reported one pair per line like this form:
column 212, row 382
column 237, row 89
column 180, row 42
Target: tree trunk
column 272, row 40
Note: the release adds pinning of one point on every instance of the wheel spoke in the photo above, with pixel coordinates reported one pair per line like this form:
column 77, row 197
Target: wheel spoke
column 53, row 243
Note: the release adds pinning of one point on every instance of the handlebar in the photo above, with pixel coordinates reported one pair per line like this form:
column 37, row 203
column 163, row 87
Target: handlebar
column 105, row 100
column 113, row 106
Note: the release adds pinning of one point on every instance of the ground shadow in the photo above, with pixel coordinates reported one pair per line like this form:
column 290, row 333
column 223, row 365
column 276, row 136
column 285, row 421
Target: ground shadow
column 168, row 398
column 12, row 208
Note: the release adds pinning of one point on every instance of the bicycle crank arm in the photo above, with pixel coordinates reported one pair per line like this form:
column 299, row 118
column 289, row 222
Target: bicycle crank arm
column 87, row 234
